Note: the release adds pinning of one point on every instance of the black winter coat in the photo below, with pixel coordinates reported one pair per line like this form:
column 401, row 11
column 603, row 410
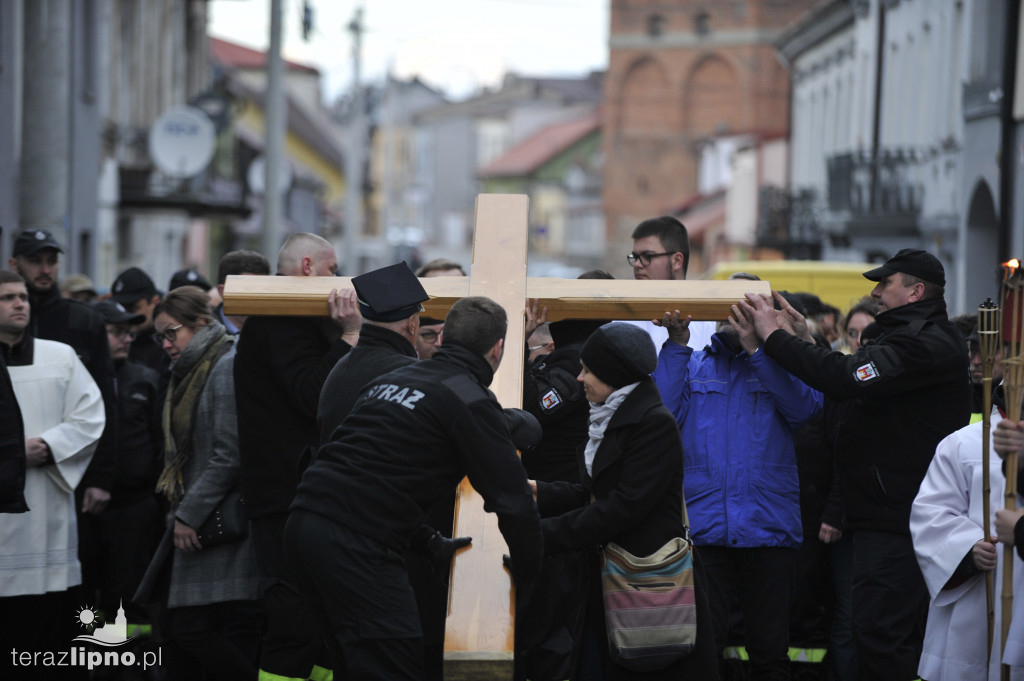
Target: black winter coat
column 76, row 324
column 139, row 429
column 280, row 367
column 899, row 395
column 12, row 445
column 412, row 436
column 552, row 394
column 637, row 503
column 378, row 351
column 637, row 484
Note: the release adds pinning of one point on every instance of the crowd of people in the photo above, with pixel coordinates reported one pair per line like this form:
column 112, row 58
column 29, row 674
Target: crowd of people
column 273, row 497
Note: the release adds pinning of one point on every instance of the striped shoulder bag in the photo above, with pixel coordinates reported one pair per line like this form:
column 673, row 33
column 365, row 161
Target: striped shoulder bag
column 649, row 603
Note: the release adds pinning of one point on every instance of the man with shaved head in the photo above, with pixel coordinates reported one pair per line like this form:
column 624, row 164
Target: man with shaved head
column 280, row 368
column 307, row 255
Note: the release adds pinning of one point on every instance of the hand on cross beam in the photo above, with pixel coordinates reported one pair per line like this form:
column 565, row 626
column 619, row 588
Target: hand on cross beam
column 534, row 318
column 344, row 311
column 759, row 310
column 678, row 329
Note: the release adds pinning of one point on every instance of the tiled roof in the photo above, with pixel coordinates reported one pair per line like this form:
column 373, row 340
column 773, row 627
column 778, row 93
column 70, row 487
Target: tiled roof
column 233, row 55
column 538, row 149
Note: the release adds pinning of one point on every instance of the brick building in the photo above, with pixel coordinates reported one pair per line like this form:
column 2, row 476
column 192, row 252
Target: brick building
column 681, row 73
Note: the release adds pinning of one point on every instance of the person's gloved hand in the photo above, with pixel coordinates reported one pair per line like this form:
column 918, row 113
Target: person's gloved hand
column 441, row 550
column 525, row 428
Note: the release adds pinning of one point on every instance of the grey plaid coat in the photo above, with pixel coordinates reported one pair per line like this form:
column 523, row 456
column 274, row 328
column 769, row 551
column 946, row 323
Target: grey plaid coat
column 221, row 573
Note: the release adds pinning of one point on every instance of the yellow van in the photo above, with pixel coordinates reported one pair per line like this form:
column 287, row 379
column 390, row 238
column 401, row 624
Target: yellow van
column 839, row 284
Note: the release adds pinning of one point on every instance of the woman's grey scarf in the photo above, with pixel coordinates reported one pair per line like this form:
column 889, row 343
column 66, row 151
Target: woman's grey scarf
column 600, row 415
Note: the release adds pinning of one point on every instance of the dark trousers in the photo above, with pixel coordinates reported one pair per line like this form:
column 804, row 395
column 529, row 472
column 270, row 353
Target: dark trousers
column 360, row 595
column 115, row 548
column 844, row 664
column 760, row 578
column 222, row 638
column 39, row 624
column 549, row 624
column 292, row 644
column 890, row 605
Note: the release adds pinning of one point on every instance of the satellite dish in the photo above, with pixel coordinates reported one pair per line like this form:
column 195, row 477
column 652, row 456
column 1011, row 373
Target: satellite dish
column 257, row 176
column 181, row 141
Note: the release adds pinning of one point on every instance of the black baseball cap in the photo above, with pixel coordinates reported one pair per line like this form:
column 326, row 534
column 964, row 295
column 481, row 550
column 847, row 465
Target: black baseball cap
column 31, row 241
column 114, row 313
column 912, row 261
column 188, row 277
column 131, row 285
column 389, row 294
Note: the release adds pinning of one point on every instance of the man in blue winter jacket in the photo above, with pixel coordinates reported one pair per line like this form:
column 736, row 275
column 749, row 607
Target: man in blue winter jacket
column 737, row 410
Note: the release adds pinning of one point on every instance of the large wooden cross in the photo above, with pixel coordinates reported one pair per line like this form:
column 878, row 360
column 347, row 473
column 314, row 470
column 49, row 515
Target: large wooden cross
column 481, row 611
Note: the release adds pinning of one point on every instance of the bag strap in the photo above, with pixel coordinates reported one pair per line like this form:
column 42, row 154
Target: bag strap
column 686, row 516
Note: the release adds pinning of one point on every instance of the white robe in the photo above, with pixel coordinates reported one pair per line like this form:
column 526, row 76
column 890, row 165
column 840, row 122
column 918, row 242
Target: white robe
column 61, row 404
column 945, row 523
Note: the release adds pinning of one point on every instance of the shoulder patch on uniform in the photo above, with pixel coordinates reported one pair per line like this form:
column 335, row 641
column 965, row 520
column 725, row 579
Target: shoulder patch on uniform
column 867, row 372
column 550, row 400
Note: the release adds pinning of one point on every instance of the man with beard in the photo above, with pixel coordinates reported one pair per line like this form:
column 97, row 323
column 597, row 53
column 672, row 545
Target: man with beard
column 737, row 411
column 36, row 257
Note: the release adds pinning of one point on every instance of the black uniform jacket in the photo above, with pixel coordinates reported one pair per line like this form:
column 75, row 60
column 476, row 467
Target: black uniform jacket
column 899, row 395
column 76, row 324
column 378, row 351
column 409, row 440
column 280, row 367
column 139, row 462
column 637, row 484
column 552, row 394
column 12, row 444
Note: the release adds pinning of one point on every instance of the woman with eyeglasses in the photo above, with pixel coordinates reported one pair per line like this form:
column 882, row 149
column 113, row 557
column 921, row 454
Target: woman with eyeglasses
column 210, row 591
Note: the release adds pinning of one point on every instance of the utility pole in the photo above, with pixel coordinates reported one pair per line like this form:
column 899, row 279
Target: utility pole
column 354, row 155
column 273, row 204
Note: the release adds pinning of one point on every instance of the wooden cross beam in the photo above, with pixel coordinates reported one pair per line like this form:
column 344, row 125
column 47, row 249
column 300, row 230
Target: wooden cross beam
column 479, row 630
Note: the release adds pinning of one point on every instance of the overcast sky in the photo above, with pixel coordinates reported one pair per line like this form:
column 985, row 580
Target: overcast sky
column 458, row 45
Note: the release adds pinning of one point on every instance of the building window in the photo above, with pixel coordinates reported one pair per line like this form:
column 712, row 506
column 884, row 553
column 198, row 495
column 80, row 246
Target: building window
column 655, row 25
column 701, row 23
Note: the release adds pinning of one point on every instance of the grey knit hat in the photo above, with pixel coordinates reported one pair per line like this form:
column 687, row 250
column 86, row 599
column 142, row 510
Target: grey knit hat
column 619, row 354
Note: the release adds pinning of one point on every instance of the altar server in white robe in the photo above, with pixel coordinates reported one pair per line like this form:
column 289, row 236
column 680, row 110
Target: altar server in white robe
column 63, row 417
column 1008, row 437
column 947, row 528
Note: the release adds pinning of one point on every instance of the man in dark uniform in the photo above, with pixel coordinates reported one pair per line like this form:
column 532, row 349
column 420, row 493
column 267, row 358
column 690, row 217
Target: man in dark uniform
column 280, row 368
column 389, row 300
column 135, row 290
column 413, row 434
column 900, row 394
column 128, row 531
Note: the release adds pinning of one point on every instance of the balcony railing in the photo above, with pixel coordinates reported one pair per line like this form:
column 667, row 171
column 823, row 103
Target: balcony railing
column 787, row 221
column 866, row 185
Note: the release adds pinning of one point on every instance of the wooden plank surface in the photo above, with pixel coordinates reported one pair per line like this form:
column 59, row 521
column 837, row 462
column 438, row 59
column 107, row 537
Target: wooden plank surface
column 564, row 298
column 481, row 612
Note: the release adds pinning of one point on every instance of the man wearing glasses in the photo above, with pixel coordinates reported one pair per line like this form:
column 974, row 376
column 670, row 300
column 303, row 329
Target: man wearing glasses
column 127, row 532
column 661, row 251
